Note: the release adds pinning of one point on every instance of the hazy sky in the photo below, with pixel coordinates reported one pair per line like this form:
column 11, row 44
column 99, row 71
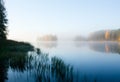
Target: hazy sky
column 31, row 18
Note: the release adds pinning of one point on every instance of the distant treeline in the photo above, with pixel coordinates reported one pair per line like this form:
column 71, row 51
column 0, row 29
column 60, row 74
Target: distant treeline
column 48, row 38
column 103, row 35
column 106, row 35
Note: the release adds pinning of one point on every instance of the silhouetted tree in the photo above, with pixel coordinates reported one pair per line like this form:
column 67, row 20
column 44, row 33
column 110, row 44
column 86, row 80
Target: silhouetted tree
column 3, row 21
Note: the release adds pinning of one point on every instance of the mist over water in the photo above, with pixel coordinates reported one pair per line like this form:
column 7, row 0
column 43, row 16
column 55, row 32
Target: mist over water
column 69, row 41
column 60, row 62
column 91, row 60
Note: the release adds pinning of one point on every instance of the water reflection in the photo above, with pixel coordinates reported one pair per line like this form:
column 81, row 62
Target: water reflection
column 60, row 71
column 10, row 58
column 49, row 44
column 46, row 70
column 36, row 64
column 3, row 68
column 39, row 66
column 80, row 44
column 107, row 47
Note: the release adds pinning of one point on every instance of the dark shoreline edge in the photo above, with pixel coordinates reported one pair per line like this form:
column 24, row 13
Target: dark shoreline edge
column 11, row 45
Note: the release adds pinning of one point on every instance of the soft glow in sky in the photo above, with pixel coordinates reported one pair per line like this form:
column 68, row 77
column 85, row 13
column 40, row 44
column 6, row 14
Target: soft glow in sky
column 29, row 19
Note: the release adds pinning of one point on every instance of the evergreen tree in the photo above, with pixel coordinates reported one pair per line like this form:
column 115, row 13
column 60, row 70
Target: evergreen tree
column 3, row 21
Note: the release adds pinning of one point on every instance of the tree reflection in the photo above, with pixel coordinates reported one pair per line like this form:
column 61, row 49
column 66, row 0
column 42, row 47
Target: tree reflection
column 40, row 65
column 105, row 47
column 49, row 44
column 18, row 62
column 12, row 54
column 3, row 68
column 108, row 47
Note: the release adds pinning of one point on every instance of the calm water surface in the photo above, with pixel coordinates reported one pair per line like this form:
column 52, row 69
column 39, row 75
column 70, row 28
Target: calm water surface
column 69, row 61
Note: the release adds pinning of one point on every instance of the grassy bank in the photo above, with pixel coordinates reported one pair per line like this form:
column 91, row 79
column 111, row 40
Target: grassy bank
column 10, row 45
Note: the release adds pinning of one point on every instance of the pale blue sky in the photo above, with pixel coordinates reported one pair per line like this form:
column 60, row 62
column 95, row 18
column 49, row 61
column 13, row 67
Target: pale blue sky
column 31, row 18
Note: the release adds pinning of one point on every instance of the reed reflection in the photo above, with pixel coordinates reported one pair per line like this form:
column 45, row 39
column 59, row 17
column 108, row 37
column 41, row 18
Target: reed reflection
column 60, row 71
column 49, row 70
column 38, row 65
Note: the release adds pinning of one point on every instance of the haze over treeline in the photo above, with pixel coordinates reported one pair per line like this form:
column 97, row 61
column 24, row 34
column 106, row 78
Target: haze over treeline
column 64, row 18
column 102, row 35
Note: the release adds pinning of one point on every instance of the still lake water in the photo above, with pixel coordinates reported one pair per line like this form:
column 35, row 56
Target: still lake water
column 86, row 62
